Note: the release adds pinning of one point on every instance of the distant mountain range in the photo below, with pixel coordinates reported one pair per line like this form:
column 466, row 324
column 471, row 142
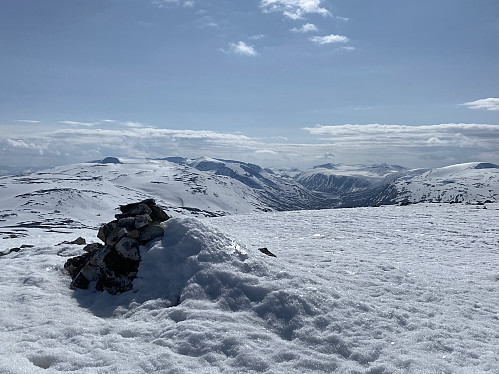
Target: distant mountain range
column 212, row 187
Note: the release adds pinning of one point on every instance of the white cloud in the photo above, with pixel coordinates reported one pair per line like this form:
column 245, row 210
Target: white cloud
column 329, row 39
column 410, row 133
column 266, row 151
column 17, row 143
column 491, row 104
column 257, row 37
column 294, row 9
column 241, row 48
column 308, row 27
column 28, row 121
column 172, row 3
column 421, row 146
column 164, row 3
column 208, row 24
column 361, row 107
column 133, row 124
column 76, row 123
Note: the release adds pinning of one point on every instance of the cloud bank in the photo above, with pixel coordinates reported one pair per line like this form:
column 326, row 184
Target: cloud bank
column 35, row 145
column 413, row 146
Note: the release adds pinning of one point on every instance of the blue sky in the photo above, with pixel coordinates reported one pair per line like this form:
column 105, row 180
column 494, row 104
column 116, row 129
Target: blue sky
column 286, row 76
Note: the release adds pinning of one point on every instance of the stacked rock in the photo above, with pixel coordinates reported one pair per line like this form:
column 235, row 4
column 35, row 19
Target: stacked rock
column 113, row 265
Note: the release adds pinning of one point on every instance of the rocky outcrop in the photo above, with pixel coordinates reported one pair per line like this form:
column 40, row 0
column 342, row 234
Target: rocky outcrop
column 113, row 266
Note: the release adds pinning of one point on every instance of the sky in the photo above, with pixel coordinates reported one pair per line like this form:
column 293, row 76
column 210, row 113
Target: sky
column 275, row 82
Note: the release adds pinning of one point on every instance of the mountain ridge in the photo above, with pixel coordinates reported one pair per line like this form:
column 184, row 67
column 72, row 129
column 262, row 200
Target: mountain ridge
column 207, row 187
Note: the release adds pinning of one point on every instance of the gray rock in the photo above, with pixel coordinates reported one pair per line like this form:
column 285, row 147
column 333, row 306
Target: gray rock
column 79, row 281
column 135, row 209
column 142, row 220
column 128, row 248
column 127, row 222
column 90, row 272
column 99, row 256
column 106, row 229
column 92, row 247
column 74, row 265
column 134, row 234
column 113, row 267
column 151, row 232
column 116, row 235
column 158, row 214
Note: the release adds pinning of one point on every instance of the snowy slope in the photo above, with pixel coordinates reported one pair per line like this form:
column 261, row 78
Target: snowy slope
column 470, row 182
column 200, row 188
column 48, row 199
column 368, row 290
column 212, row 187
column 387, row 184
column 343, row 179
column 277, row 192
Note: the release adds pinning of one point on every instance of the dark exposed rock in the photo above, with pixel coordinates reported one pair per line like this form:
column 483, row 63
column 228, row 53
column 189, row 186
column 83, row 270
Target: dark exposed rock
column 77, row 241
column 74, row 265
column 91, row 248
column 134, row 234
column 113, row 266
column 119, row 265
column 135, row 208
column 116, row 235
column 16, row 249
column 128, row 248
column 80, row 281
column 106, row 229
column 110, row 160
column 267, row 252
column 126, row 222
column 158, row 214
column 151, row 232
column 142, row 220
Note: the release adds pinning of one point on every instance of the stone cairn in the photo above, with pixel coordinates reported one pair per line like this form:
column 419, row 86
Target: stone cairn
column 113, row 265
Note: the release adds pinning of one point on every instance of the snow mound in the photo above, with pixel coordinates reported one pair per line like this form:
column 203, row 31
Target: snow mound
column 194, row 262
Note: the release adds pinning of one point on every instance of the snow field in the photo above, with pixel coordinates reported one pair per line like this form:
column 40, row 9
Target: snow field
column 367, row 290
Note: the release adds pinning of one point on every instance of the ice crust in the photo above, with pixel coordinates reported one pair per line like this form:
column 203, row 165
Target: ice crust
column 367, row 290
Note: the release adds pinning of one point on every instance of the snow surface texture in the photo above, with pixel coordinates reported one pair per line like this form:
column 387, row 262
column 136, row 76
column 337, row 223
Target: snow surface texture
column 367, row 290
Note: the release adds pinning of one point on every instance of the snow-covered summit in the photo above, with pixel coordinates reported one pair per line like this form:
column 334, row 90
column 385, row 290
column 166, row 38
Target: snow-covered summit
column 469, row 182
column 342, row 179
